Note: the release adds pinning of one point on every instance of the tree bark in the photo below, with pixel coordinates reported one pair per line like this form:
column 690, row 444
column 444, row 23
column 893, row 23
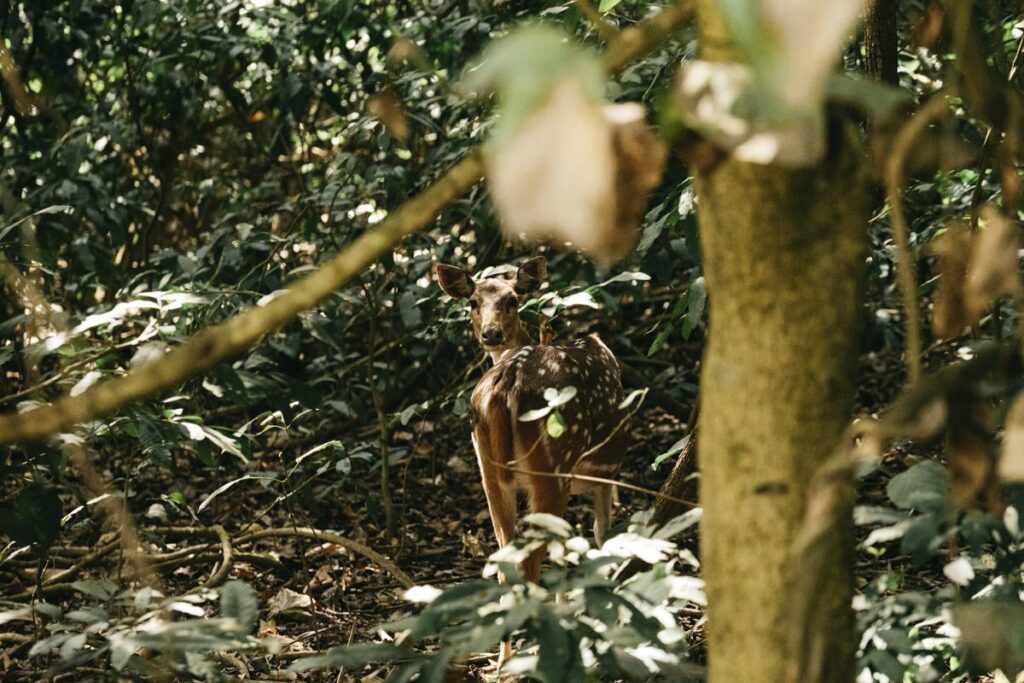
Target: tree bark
column 783, row 256
column 880, row 41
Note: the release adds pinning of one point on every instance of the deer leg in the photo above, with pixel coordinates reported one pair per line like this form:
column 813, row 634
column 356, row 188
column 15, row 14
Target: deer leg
column 603, row 494
column 499, row 489
column 501, row 504
column 546, row 495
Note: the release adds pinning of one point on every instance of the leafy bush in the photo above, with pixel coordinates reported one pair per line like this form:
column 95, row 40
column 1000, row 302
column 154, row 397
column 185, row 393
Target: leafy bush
column 122, row 623
column 584, row 617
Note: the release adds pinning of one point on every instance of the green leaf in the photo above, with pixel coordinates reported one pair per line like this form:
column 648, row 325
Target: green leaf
column 885, row 663
column 550, row 523
column 627, row 276
column 607, row 5
column 666, row 326
column 555, row 425
column 558, row 657
column 56, row 208
column 696, row 299
column 897, row 640
column 238, row 601
column 923, row 487
column 922, row 538
column 101, row 589
column 408, row 310
column 349, row 656
column 524, row 67
column 677, row 447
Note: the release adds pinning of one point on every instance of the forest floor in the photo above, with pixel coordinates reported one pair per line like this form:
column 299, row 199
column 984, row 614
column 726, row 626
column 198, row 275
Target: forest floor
column 316, row 594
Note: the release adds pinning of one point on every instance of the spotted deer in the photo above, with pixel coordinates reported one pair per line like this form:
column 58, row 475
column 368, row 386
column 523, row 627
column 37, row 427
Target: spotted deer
column 514, row 454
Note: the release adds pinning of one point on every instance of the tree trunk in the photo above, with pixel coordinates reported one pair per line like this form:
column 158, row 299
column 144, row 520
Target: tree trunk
column 783, row 256
column 880, row 41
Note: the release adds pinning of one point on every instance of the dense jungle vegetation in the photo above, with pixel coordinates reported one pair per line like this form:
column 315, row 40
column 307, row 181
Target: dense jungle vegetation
column 235, row 406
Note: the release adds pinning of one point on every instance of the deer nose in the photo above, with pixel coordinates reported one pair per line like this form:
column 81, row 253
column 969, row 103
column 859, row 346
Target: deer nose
column 491, row 336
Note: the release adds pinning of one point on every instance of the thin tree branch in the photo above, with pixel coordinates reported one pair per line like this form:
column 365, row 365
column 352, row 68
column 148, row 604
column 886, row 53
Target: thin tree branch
column 609, row 32
column 227, row 557
column 905, row 260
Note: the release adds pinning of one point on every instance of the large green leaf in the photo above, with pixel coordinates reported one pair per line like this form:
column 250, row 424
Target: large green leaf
column 923, row 487
column 238, row 601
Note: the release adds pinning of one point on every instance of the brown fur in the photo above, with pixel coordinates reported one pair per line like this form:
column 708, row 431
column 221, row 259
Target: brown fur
column 515, row 455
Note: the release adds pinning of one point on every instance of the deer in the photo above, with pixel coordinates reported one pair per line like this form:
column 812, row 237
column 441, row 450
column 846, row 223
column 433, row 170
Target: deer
column 516, row 455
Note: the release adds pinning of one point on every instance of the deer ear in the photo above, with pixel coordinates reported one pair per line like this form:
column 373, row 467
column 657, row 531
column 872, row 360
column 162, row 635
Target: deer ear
column 454, row 281
column 531, row 275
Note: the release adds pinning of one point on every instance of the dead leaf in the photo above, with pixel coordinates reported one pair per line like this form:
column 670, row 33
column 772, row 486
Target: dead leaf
column 267, row 628
column 710, row 97
column 1011, row 463
column 994, row 269
column 457, row 464
column 553, row 178
column 473, row 546
column 321, row 580
column 405, row 50
column 387, row 107
column 640, row 156
column 952, row 249
column 287, row 601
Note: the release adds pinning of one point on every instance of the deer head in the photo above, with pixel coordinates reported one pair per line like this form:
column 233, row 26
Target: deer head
column 494, row 303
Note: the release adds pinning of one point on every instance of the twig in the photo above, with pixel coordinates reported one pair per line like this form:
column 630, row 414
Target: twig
column 228, row 554
column 905, row 260
column 603, row 480
column 331, row 537
column 258, row 559
column 638, row 40
column 100, row 552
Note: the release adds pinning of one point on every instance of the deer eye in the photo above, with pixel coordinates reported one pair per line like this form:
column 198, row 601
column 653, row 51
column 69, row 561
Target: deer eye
column 511, row 304
column 473, row 304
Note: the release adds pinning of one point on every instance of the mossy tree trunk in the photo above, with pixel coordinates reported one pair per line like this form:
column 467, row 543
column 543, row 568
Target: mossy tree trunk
column 783, row 256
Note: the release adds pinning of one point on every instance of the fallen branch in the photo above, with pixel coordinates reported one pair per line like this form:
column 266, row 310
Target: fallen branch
column 905, row 259
column 229, row 338
column 331, row 537
column 99, row 553
column 257, row 559
column 228, row 553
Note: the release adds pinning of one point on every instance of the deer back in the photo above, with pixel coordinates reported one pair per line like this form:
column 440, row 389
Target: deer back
column 593, row 417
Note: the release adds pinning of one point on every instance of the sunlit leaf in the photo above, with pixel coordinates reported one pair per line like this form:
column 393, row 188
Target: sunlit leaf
column 555, row 425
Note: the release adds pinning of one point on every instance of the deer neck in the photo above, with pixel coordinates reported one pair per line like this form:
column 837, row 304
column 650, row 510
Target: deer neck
column 520, row 339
